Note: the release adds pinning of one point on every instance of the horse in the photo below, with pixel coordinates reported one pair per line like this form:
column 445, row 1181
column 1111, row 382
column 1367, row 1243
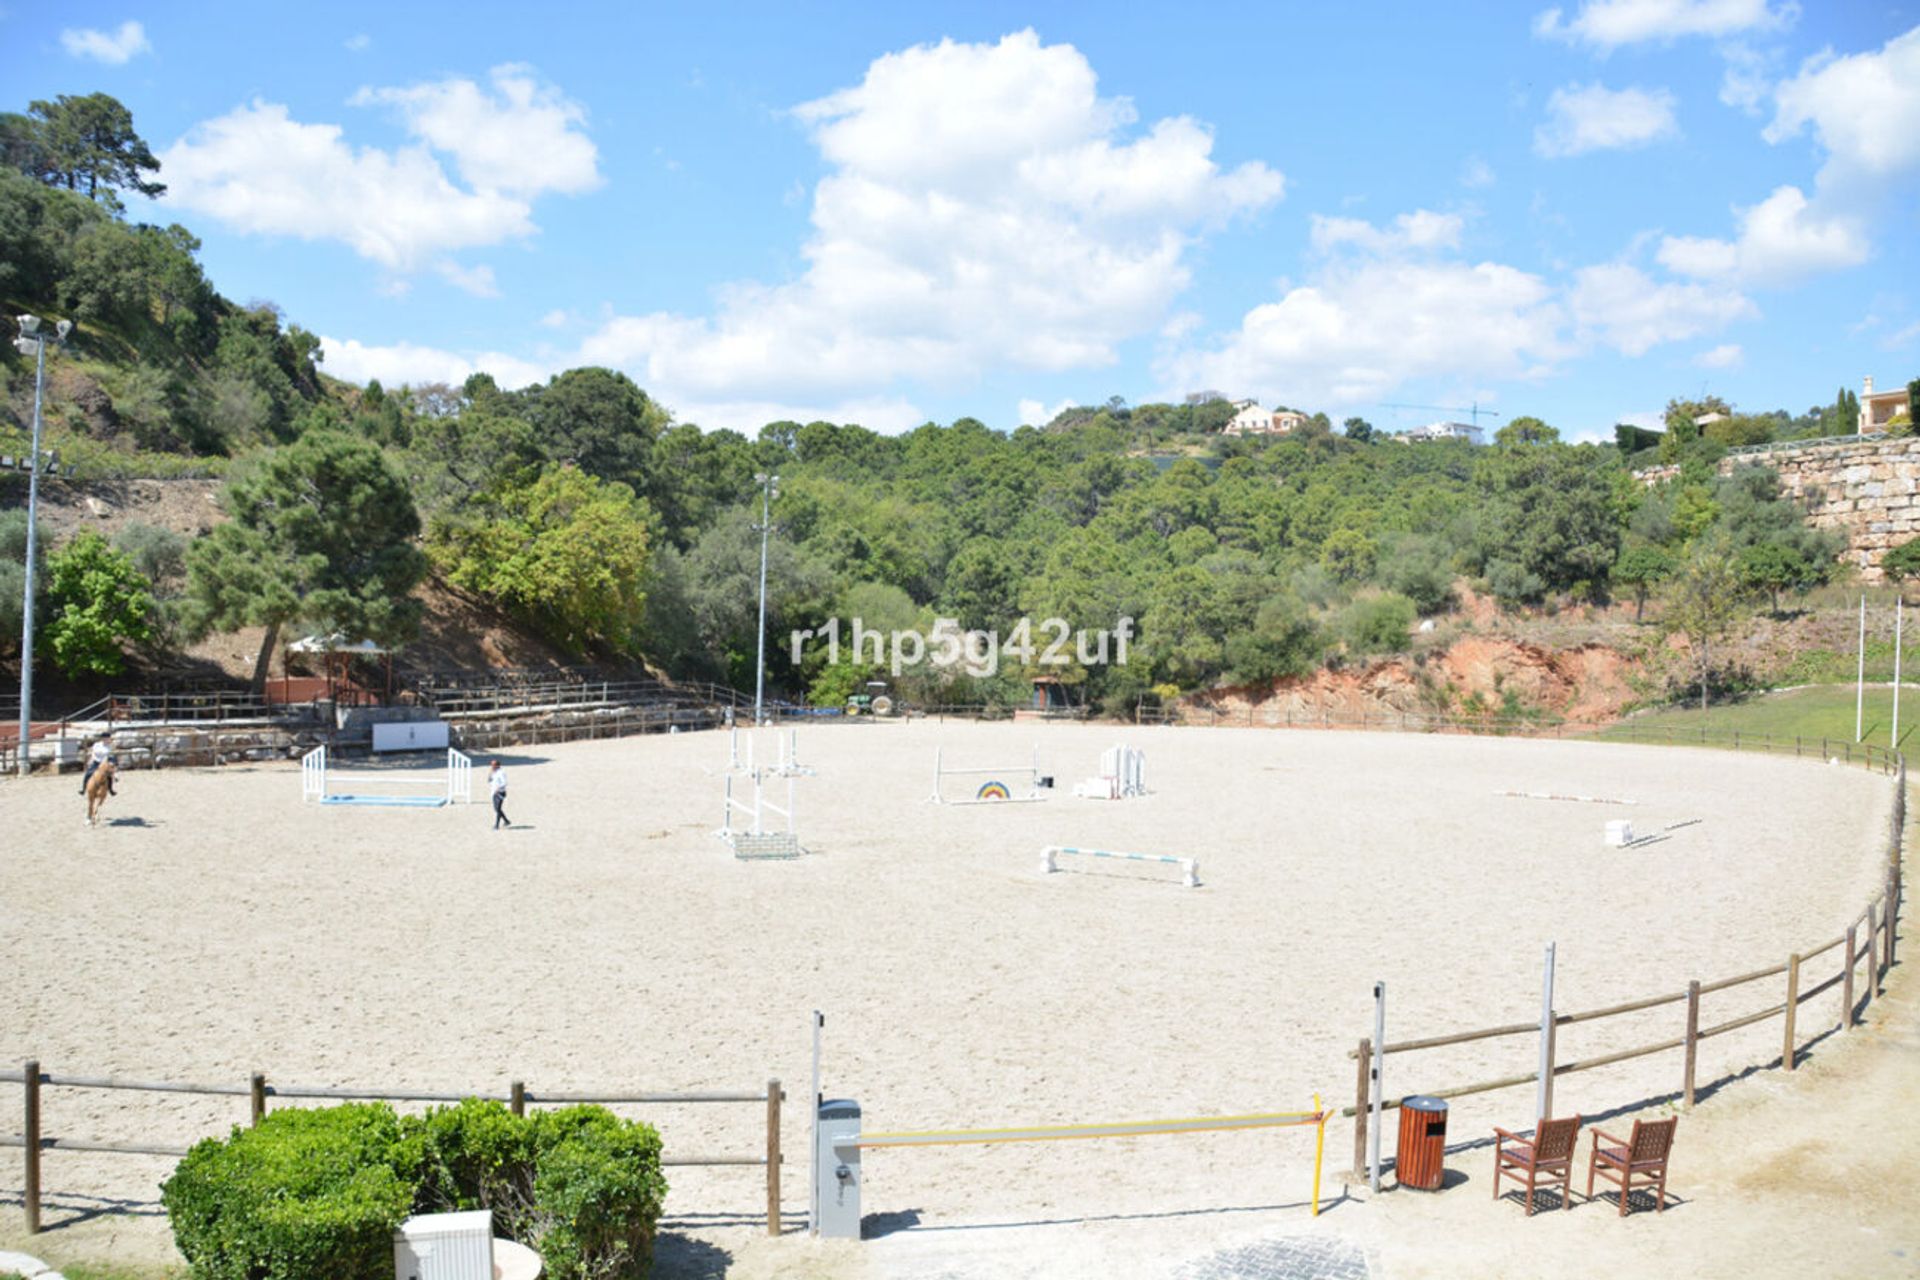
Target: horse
column 99, row 787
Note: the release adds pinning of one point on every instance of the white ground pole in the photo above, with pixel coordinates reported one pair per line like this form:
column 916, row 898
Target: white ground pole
column 1860, row 681
column 1379, row 1062
column 1031, row 770
column 1899, row 609
column 1543, row 1091
column 813, row 1160
column 1189, row 867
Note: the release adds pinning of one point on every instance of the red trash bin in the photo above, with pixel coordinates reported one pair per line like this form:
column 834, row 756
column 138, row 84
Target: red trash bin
column 1419, row 1157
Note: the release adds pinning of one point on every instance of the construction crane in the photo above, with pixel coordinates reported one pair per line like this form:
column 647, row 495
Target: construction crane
column 1474, row 413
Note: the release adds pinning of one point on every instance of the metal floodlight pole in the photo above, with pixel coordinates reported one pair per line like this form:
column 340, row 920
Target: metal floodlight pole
column 30, row 335
column 766, row 481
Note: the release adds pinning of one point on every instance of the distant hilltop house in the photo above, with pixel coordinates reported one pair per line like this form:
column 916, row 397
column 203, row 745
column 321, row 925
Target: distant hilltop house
column 1442, row 431
column 1878, row 409
column 1249, row 419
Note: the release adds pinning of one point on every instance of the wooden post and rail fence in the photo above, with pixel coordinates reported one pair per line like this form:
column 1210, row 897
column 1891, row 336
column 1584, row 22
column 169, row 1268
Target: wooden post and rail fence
column 1870, row 936
column 36, row 1142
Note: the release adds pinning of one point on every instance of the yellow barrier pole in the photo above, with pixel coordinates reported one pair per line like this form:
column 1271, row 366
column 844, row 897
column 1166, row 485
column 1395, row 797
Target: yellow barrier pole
column 1319, row 1148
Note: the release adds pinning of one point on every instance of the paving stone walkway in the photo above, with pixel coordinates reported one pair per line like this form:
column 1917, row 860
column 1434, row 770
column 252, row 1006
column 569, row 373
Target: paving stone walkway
column 1286, row 1258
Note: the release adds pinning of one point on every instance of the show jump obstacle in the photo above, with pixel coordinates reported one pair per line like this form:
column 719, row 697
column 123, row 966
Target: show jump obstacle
column 1123, row 775
column 994, row 790
column 787, row 753
column 756, row 841
column 1051, row 855
column 393, row 788
column 837, row 1172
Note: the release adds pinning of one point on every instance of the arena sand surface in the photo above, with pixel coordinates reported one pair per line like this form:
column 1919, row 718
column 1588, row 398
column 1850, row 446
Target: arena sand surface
column 214, row 926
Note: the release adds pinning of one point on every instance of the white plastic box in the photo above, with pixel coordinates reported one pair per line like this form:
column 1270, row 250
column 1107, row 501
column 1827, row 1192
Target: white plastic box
column 444, row 1246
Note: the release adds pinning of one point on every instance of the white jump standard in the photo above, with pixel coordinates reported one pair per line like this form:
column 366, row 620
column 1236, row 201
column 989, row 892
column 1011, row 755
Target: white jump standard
column 994, row 790
column 787, row 762
column 1051, row 855
column 424, row 790
column 1123, row 775
column 756, row 842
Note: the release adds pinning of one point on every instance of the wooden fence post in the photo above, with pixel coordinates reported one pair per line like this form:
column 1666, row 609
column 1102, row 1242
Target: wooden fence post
column 1360, row 1104
column 1793, row 1005
column 30, row 1077
column 1873, row 951
column 1693, row 1040
column 257, row 1095
column 1893, row 911
column 1846, row 983
column 773, row 1157
column 517, row 1097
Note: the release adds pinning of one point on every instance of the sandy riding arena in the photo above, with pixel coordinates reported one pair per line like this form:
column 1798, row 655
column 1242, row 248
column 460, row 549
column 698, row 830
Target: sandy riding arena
column 213, row 926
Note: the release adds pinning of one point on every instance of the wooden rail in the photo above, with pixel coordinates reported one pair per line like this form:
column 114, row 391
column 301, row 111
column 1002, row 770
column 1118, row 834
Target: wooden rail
column 35, row 1142
column 1879, row 920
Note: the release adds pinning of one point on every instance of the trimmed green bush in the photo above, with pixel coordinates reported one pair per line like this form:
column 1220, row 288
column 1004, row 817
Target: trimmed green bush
column 597, row 1194
column 315, row 1195
column 307, row 1194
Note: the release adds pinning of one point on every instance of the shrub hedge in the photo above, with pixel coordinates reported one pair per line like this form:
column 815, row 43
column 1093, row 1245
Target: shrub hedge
column 316, row 1194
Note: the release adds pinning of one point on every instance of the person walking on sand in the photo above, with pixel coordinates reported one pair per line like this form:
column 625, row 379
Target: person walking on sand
column 497, row 787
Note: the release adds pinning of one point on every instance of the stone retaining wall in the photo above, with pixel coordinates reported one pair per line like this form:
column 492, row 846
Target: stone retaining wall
column 1869, row 491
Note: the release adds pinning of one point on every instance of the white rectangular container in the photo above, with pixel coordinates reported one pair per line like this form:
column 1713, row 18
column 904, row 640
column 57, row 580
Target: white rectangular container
column 444, row 1246
column 410, row 735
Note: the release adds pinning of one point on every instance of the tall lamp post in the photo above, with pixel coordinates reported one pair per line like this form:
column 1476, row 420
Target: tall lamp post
column 766, row 480
column 32, row 342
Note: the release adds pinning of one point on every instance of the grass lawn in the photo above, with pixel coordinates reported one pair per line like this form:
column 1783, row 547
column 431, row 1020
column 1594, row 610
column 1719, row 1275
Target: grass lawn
column 1825, row 711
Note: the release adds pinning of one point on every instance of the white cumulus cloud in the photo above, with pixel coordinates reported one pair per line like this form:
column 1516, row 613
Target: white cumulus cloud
column 1780, row 240
column 1035, row 413
column 114, row 47
column 259, row 171
column 409, row 364
column 1582, row 118
column 985, row 206
column 1609, row 24
column 1863, row 108
column 1728, row 355
column 476, row 280
column 1621, row 306
column 1421, row 229
column 1359, row 330
column 523, row 137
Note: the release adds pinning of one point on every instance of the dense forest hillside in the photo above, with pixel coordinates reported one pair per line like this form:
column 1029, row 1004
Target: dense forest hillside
column 1134, row 551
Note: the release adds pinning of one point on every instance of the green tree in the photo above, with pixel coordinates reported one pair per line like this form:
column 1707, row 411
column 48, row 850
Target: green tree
column 1552, row 511
column 322, row 533
column 1774, row 567
column 1348, row 555
column 1703, row 602
column 599, row 421
column 1899, row 564
column 87, row 144
column 1642, row 566
column 99, row 603
column 568, row 551
column 1358, row 429
column 1283, row 641
column 1526, row 430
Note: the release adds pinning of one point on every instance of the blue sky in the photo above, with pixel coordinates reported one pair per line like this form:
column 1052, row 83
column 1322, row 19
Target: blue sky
column 889, row 214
